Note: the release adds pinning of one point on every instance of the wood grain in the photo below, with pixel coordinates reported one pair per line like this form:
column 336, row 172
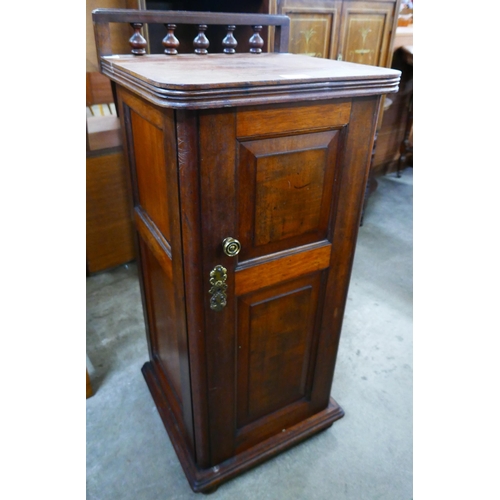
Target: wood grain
column 150, row 172
column 195, row 293
column 217, row 174
column 285, row 186
column 155, row 241
column 274, row 340
column 109, row 240
column 219, row 80
column 286, row 119
column 288, row 267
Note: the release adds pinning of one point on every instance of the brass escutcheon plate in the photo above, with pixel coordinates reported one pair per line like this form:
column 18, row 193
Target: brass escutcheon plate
column 218, row 299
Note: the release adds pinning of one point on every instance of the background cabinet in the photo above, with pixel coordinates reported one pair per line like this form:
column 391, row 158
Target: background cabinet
column 354, row 31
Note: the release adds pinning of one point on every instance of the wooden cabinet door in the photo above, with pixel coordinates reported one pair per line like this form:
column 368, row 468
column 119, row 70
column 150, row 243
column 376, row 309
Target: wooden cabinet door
column 366, row 32
column 282, row 181
column 314, row 26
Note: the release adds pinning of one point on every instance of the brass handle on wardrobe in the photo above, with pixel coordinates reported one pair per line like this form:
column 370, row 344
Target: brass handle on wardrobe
column 231, row 247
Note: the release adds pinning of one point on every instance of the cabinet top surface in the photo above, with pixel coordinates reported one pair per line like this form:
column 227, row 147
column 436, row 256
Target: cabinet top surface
column 190, row 71
column 197, row 81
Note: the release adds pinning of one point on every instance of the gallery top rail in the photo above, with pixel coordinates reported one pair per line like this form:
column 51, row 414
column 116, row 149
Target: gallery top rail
column 137, row 18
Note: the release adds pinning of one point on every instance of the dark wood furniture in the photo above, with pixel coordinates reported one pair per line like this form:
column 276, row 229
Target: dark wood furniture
column 248, row 173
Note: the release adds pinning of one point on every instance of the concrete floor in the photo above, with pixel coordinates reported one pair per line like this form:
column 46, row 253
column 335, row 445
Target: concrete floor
column 365, row 455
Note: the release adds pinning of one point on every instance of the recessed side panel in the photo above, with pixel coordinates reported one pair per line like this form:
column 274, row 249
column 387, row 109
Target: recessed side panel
column 162, row 315
column 150, row 172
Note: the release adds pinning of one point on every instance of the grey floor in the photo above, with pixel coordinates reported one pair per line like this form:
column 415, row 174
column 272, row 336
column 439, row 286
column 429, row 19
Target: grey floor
column 365, row 455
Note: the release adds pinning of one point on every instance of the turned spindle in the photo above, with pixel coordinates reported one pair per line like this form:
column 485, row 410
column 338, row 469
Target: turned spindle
column 170, row 41
column 256, row 42
column 137, row 41
column 229, row 41
column 201, row 42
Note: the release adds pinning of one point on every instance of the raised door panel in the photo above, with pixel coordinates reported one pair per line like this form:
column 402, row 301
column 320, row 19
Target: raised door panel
column 313, row 26
column 285, row 191
column 274, row 337
column 365, row 32
column 277, row 335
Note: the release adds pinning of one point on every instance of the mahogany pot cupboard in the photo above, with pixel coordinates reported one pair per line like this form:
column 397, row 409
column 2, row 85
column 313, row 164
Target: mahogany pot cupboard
column 247, row 173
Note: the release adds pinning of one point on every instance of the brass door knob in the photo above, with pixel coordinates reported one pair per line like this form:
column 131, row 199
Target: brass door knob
column 231, row 247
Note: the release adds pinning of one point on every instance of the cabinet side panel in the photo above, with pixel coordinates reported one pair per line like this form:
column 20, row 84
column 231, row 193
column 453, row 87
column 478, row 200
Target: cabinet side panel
column 163, row 318
column 150, row 172
column 150, row 140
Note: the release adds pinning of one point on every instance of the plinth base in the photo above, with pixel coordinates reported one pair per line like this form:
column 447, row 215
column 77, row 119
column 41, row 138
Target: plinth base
column 207, row 480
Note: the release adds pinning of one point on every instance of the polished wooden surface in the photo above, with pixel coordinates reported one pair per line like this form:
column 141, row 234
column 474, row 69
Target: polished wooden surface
column 242, row 71
column 238, row 385
column 219, row 80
